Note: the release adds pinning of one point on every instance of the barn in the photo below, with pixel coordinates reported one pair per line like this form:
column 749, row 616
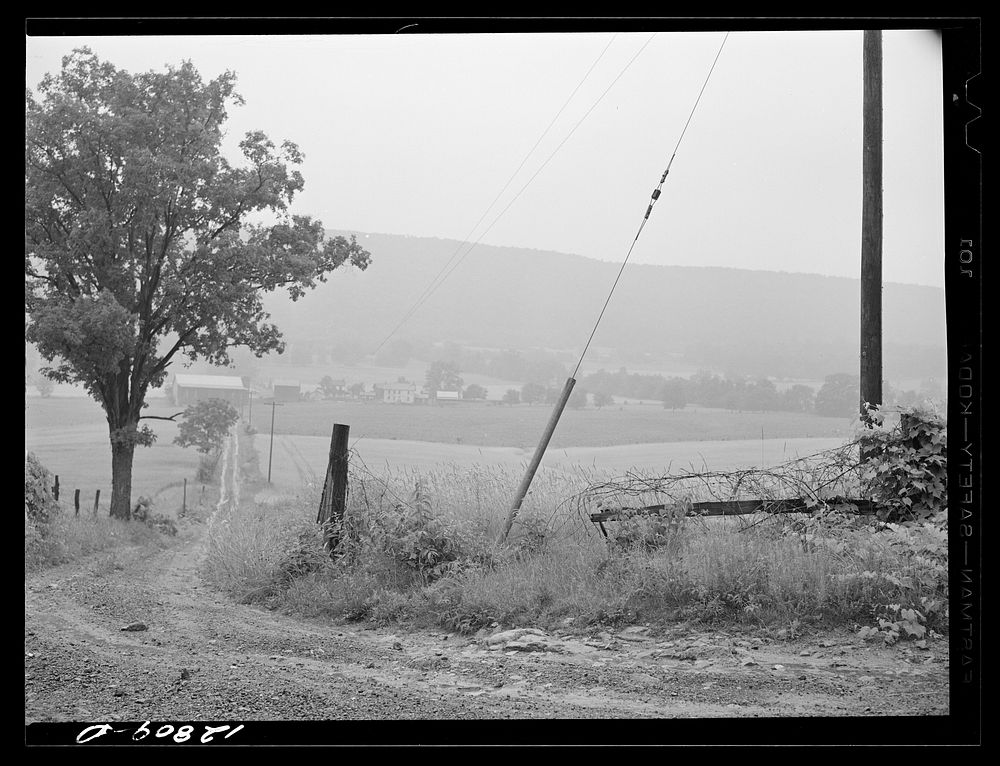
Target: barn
column 188, row 389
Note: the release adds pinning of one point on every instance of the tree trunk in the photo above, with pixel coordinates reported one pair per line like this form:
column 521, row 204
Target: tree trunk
column 122, row 452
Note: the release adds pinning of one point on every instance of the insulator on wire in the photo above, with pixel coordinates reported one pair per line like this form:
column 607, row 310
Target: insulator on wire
column 649, row 209
column 664, row 178
column 656, row 194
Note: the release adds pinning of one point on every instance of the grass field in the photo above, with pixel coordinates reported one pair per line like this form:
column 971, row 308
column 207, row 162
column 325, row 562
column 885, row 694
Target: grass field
column 296, row 459
column 491, row 425
column 70, row 437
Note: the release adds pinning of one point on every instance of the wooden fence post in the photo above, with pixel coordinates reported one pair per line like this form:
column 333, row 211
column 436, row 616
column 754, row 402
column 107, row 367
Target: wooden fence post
column 55, row 488
column 184, row 500
column 334, row 498
column 76, row 502
column 97, row 500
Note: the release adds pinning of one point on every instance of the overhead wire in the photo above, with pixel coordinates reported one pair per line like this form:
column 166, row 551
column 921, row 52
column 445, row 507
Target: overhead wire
column 438, row 279
column 655, row 196
column 499, row 194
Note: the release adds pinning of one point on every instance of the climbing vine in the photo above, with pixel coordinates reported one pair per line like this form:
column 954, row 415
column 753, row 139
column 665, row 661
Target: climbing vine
column 906, row 466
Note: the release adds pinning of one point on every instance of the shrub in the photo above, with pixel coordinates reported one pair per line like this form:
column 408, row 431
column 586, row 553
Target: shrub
column 650, row 532
column 40, row 505
column 906, row 470
column 410, row 536
column 143, row 511
column 206, row 425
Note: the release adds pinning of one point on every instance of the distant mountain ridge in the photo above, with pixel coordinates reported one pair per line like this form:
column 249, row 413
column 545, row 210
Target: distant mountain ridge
column 507, row 297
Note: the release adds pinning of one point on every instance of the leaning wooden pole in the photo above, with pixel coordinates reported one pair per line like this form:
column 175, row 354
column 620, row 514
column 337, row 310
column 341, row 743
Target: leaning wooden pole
column 536, row 459
column 871, row 225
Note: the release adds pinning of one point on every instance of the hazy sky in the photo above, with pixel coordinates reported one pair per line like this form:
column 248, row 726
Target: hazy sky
column 417, row 134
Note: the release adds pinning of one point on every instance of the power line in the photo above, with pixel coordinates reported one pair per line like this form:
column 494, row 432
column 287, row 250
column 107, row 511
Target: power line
column 438, row 279
column 649, row 209
column 513, row 175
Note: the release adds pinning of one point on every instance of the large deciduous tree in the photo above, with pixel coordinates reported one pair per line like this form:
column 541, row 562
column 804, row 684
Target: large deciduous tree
column 443, row 376
column 138, row 250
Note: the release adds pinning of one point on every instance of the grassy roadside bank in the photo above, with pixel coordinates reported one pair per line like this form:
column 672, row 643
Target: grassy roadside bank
column 55, row 535
column 418, row 549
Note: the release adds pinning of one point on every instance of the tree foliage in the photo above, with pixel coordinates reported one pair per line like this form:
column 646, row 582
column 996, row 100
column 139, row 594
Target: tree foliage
column 443, row 376
column 839, row 396
column 137, row 244
column 532, row 393
column 602, row 399
column 513, row 396
column 474, row 391
column 206, row 425
column 673, row 393
column 578, row 399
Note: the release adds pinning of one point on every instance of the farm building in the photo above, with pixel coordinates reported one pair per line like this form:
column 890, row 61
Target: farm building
column 447, row 397
column 287, row 390
column 399, row 393
column 333, row 389
column 188, row 389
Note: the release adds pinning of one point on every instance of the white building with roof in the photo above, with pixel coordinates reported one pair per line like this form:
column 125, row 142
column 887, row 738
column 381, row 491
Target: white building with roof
column 399, row 393
column 190, row 388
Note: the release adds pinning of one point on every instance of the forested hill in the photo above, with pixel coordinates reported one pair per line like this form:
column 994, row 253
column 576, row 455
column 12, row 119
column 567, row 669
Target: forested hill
column 505, row 297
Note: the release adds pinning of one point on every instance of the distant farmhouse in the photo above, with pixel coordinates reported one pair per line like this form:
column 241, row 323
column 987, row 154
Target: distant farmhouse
column 287, row 390
column 188, row 389
column 399, row 393
column 335, row 389
column 447, row 397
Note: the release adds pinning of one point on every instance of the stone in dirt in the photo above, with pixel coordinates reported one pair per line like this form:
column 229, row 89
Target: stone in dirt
column 512, row 635
column 134, row 626
column 531, row 645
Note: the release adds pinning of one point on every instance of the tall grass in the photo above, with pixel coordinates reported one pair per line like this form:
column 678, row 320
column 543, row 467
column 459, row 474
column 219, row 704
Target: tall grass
column 66, row 538
column 420, row 548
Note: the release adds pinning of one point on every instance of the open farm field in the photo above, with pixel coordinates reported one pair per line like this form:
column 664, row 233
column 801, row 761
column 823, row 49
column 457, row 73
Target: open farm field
column 491, row 425
column 70, row 437
column 299, row 460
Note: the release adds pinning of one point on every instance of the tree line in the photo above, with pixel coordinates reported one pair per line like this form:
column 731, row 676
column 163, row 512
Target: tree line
column 838, row 396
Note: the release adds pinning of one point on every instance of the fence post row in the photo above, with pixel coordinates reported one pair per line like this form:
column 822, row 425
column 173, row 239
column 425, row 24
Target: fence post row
column 334, row 498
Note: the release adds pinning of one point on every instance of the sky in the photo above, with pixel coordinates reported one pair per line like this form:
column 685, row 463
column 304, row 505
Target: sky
column 420, row 135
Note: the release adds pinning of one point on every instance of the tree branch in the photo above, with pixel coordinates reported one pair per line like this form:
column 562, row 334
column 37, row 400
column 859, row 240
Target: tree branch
column 160, row 417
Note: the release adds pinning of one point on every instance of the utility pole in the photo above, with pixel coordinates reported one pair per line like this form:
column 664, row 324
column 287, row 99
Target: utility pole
column 536, row 459
column 871, row 224
column 270, row 450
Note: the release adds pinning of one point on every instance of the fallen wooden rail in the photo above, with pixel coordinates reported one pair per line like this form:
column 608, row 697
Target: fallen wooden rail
column 730, row 508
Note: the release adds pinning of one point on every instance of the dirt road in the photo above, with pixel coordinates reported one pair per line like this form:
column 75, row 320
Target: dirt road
column 202, row 657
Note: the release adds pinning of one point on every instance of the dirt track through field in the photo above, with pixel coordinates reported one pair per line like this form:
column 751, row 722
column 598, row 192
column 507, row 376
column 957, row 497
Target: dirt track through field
column 203, row 657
